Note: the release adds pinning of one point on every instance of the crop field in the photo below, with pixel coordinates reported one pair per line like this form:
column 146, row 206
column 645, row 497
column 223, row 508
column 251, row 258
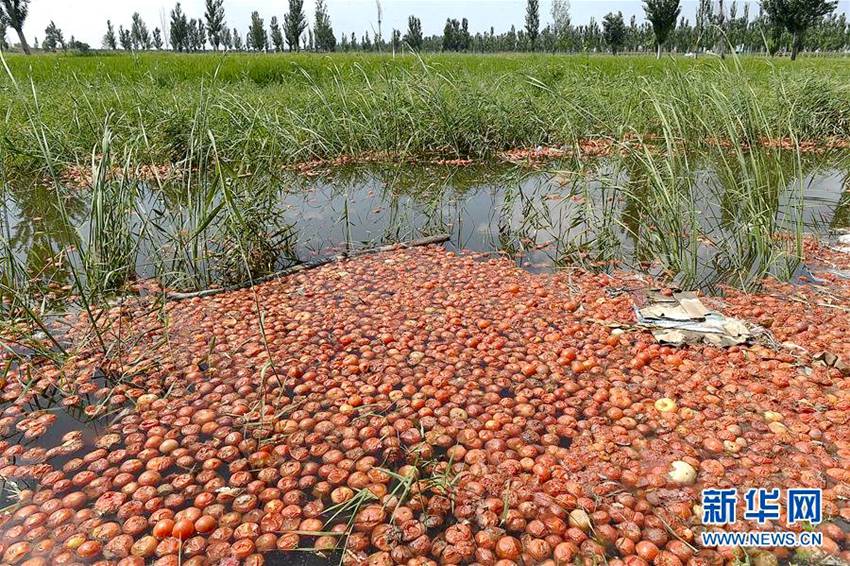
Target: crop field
column 374, row 309
column 284, row 109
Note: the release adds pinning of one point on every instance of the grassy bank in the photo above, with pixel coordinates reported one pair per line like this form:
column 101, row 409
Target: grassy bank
column 719, row 213
column 282, row 108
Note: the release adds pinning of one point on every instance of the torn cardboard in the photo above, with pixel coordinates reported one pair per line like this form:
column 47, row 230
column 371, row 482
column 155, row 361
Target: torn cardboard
column 831, row 360
column 683, row 319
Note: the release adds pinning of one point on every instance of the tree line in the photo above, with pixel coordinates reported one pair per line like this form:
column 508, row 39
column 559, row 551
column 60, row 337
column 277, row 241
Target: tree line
column 720, row 25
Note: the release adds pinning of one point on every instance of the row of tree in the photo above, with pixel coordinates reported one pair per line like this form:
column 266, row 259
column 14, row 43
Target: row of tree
column 781, row 25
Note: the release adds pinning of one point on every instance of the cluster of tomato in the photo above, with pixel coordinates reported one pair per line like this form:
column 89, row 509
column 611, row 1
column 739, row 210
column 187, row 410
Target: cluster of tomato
column 422, row 407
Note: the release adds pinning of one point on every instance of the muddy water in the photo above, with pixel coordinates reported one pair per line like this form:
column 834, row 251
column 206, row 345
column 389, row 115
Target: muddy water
column 563, row 215
column 66, row 419
column 526, row 214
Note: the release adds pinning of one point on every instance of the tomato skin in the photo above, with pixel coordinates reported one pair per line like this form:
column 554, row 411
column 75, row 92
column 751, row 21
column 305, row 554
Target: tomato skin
column 89, row 549
column 163, row 528
column 205, row 524
column 183, row 529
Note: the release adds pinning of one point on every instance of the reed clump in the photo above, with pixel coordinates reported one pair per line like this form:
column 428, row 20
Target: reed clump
column 272, row 110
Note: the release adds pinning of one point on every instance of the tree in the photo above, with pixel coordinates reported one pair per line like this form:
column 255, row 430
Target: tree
column 325, row 38
column 560, row 21
column 215, row 22
column 720, row 23
column 256, row 33
column 532, row 21
column 237, row 40
column 192, row 39
column 157, row 39
column 413, row 37
column 201, row 36
column 560, row 15
column 139, row 33
column 662, row 14
column 14, row 13
column 379, row 37
column 109, row 41
column 614, row 31
column 396, row 40
column 451, row 35
column 456, row 35
column 797, row 16
column 196, row 35
column 179, row 29
column 125, row 39
column 294, row 24
column 53, row 37
column 511, row 39
column 703, row 28
column 227, row 39
column 3, row 44
column 276, row 35
column 80, row 46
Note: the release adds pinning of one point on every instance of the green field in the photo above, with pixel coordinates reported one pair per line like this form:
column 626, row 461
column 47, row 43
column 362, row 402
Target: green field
column 285, row 108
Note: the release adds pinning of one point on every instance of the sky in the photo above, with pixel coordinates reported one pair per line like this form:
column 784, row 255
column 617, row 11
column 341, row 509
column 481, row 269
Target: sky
column 86, row 19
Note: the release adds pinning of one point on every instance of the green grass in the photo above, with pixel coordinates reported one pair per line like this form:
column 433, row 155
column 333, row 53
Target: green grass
column 286, row 108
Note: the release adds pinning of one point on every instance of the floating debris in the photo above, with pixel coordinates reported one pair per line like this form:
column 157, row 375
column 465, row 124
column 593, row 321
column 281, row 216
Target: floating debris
column 681, row 318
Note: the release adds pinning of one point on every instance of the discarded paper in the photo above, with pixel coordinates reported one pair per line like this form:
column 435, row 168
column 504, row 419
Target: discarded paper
column 842, row 244
column 831, row 360
column 683, row 319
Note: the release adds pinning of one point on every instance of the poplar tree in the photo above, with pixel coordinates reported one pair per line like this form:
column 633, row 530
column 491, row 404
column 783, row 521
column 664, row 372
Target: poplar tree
column 294, row 24
column 257, row 33
column 614, row 31
column 324, row 36
column 797, row 16
column 215, row 22
column 53, row 37
column 532, row 21
column 202, row 35
column 139, row 33
column 14, row 13
column 276, row 35
column 561, row 21
column 662, row 14
column 413, row 37
column 124, row 39
column 109, row 40
column 179, row 29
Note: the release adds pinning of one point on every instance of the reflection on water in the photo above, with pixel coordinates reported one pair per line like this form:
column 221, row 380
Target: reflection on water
column 710, row 224
column 72, row 428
